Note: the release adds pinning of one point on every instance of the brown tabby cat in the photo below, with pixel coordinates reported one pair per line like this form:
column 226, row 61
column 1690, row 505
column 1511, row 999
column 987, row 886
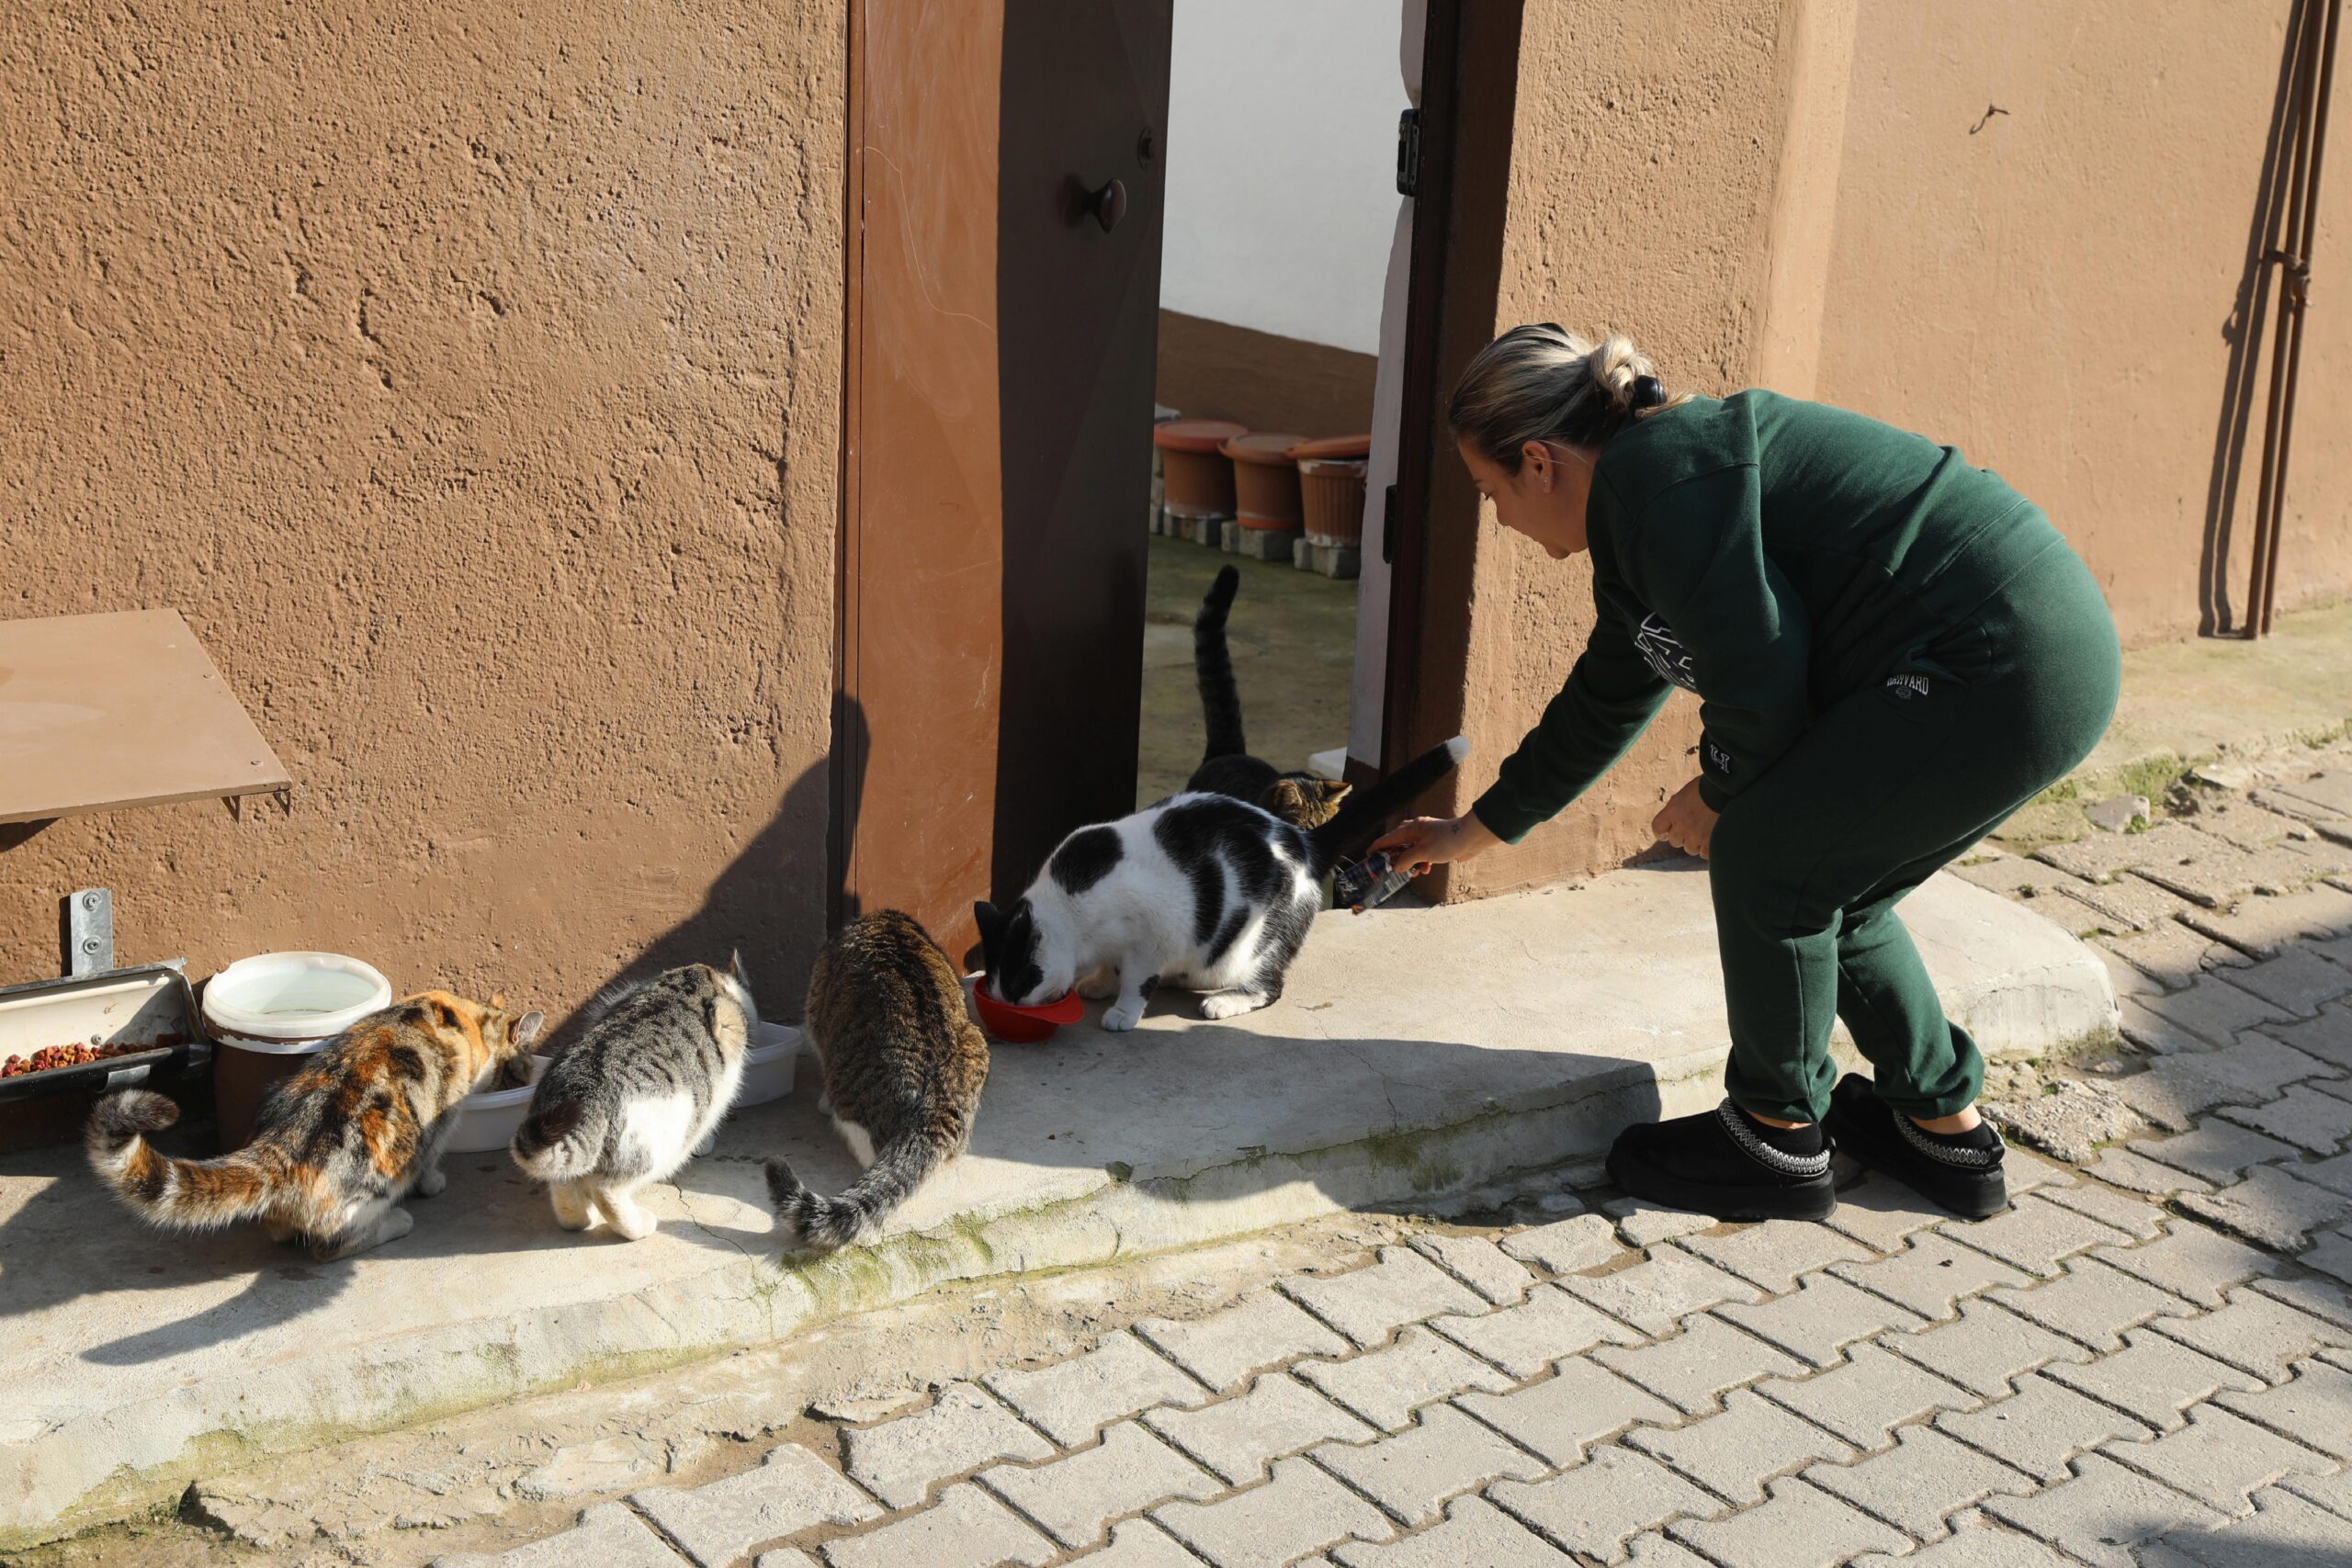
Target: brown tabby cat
column 340, row 1142
column 904, row 1064
column 1302, row 800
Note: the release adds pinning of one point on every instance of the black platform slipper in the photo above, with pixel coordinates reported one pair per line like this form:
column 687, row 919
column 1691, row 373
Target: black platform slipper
column 1719, row 1163
column 1962, row 1175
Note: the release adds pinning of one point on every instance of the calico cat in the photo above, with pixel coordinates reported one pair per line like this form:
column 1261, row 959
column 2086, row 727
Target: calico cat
column 340, row 1142
column 1302, row 800
column 904, row 1064
column 628, row 1101
column 1200, row 890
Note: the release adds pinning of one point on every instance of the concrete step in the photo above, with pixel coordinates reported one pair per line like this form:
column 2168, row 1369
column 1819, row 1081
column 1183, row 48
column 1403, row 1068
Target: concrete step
column 1419, row 1054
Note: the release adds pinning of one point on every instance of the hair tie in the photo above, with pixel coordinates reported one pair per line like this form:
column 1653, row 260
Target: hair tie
column 1648, row 392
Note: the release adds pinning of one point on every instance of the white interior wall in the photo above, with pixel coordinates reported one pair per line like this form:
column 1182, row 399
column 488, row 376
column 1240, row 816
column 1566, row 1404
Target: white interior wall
column 1282, row 165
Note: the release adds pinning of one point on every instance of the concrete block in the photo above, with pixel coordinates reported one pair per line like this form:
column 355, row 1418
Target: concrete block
column 2192, row 1262
column 1641, row 1225
column 2173, row 955
column 1386, row 1386
column 2218, row 1151
column 2092, row 1304
column 1561, row 1416
column 2326, row 1038
column 2101, row 1513
column 1772, row 1256
column 1239, row 1437
column 2118, row 813
column 1301, row 1509
column 2034, row 1234
column 2263, row 928
column 1263, row 544
column 2129, row 904
column 1524, row 1341
column 2303, row 1117
column 1139, row 1544
column 792, row 1490
column 2297, row 981
column 1975, row 1542
column 2137, row 1173
column 1479, row 1263
column 1988, row 1349
column 1411, row 1474
column 1263, row 1329
column 967, row 1529
column 2106, row 855
column 2153, row 1378
column 963, row 1430
column 2041, row 1428
column 1604, row 1502
column 1475, row 1532
column 2270, row 1208
column 2216, row 1009
column 1731, row 1455
column 1567, row 1247
column 2316, row 1408
column 1073, row 1400
column 1078, row 1497
column 1693, row 1369
column 1920, row 1482
column 1882, row 1213
column 1369, row 1305
column 2134, row 1216
column 1301, row 554
column 1820, row 1319
column 1661, row 1290
column 607, row 1535
column 1801, row 1527
column 2284, row 1528
column 1867, row 1398
column 1339, row 562
column 2258, row 1333
column 1931, row 1276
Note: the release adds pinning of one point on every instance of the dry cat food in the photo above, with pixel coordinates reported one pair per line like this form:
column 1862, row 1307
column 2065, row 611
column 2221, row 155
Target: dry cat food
column 76, row 1055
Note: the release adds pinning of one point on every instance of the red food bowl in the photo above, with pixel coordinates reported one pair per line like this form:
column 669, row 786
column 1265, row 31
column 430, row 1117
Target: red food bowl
column 1025, row 1026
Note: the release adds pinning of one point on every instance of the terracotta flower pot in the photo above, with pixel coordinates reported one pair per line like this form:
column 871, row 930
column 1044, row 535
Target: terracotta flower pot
column 1330, row 480
column 1265, row 481
column 1197, row 477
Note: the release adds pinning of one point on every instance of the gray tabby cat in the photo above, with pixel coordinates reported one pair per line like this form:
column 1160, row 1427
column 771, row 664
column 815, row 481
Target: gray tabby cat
column 632, row 1099
column 904, row 1066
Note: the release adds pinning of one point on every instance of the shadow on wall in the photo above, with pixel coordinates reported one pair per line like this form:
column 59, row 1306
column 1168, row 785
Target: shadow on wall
column 754, row 906
column 2244, row 392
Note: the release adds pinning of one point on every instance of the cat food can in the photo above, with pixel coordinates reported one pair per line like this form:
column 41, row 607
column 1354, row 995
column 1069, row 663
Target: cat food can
column 1368, row 882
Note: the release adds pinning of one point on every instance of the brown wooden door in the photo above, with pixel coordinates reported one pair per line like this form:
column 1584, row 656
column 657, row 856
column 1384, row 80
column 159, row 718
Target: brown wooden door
column 996, row 466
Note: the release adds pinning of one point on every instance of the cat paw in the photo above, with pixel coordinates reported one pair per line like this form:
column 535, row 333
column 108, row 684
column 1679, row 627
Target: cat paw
column 430, row 1183
column 1231, row 1004
column 709, row 1142
column 634, row 1225
column 1101, row 986
column 1121, row 1019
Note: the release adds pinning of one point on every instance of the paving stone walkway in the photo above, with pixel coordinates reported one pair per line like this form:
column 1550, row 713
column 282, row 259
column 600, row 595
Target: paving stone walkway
column 2147, row 1360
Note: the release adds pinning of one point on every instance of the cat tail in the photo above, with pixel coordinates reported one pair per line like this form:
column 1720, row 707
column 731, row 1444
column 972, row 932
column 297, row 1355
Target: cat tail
column 1213, row 668
column 549, row 1146
column 819, row 1223
column 186, row 1195
column 1366, row 811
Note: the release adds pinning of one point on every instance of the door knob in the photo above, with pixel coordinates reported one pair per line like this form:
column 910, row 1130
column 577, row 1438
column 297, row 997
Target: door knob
column 1108, row 205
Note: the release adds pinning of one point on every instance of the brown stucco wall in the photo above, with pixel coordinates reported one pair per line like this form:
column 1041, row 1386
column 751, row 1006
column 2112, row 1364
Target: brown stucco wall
column 2059, row 293
column 1642, row 177
column 1216, row 371
column 467, row 376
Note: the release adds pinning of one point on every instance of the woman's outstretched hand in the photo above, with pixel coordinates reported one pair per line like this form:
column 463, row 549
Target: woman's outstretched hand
column 1687, row 822
column 1426, row 841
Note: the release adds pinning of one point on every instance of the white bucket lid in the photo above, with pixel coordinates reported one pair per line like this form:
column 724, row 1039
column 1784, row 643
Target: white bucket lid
column 288, row 1001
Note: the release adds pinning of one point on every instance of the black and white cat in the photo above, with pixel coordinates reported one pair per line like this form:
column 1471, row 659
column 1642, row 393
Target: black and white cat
column 1202, row 891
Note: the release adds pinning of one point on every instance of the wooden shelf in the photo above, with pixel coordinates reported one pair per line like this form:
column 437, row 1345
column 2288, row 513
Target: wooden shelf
column 102, row 713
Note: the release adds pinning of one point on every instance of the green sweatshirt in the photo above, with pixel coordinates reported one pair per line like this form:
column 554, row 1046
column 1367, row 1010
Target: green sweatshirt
column 1772, row 556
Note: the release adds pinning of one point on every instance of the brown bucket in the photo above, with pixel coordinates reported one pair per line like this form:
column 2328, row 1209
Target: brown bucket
column 1265, row 481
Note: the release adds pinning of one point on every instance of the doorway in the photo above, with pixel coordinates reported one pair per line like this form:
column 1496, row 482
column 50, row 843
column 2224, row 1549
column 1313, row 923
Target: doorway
column 1008, row 198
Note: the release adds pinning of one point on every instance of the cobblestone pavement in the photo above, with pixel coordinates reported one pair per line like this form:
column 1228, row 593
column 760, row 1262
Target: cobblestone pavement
column 2148, row 1359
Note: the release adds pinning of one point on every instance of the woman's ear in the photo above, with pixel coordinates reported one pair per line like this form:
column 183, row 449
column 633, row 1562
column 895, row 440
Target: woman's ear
column 1536, row 465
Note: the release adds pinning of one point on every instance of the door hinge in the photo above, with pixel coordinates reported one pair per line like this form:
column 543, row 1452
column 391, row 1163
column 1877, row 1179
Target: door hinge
column 1409, row 152
column 1388, row 525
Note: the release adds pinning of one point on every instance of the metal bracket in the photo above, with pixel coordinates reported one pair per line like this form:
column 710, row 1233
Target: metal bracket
column 1409, row 152
column 89, row 932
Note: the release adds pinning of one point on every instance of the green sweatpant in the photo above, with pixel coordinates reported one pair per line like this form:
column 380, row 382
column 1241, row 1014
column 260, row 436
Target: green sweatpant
column 1891, row 782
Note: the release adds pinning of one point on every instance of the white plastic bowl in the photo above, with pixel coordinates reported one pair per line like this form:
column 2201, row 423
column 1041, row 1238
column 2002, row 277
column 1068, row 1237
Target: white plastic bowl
column 285, row 1003
column 487, row 1118
column 767, row 1065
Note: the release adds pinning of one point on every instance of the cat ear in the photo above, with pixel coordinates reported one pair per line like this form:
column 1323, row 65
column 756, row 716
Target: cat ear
column 497, row 1000
column 1335, row 791
column 989, row 918
column 735, row 968
column 526, row 1027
